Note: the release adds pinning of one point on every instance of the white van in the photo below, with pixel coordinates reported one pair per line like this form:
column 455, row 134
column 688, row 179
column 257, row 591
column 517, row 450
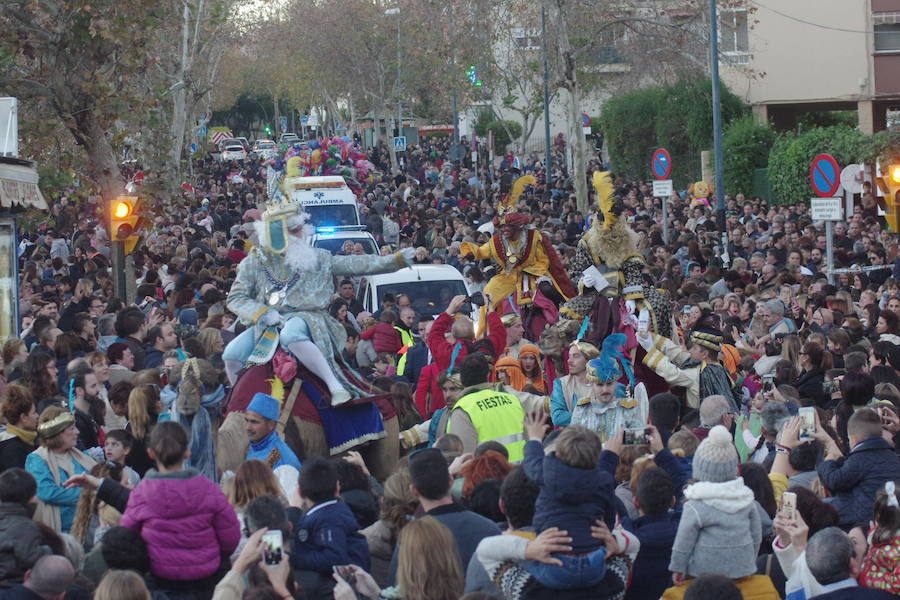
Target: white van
column 328, row 200
column 333, row 240
column 429, row 287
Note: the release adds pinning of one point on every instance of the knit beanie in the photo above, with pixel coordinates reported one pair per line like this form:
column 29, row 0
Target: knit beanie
column 716, row 459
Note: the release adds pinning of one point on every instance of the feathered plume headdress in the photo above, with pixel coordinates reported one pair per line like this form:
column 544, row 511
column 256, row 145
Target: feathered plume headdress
column 508, row 204
column 606, row 367
column 606, row 197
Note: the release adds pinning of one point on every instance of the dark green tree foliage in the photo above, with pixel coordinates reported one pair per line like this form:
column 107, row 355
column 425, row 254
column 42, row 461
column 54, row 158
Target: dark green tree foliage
column 677, row 117
column 747, row 145
column 791, row 156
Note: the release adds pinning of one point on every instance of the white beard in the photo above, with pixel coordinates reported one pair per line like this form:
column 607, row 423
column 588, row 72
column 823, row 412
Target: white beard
column 300, row 256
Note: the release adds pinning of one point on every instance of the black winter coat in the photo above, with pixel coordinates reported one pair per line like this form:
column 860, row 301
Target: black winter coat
column 21, row 544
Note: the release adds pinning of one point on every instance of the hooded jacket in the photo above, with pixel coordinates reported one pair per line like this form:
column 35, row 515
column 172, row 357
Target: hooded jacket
column 21, row 543
column 185, row 520
column 719, row 531
column 570, row 498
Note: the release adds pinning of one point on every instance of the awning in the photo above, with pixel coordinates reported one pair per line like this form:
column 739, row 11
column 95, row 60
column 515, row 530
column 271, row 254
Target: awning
column 19, row 187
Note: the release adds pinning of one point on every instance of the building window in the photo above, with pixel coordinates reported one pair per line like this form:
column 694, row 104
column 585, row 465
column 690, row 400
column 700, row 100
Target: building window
column 734, row 36
column 887, row 31
column 526, row 39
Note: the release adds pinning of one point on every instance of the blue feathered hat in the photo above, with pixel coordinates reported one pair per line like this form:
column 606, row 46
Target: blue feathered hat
column 606, row 367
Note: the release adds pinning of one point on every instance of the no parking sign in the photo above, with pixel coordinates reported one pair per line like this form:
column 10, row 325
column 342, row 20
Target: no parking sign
column 825, row 175
column 661, row 164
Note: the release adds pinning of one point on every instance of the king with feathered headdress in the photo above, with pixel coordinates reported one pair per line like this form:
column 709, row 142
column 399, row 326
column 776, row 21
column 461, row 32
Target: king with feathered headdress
column 528, row 265
column 609, row 269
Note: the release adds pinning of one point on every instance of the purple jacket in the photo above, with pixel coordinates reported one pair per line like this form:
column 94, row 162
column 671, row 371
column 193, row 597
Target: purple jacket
column 186, row 521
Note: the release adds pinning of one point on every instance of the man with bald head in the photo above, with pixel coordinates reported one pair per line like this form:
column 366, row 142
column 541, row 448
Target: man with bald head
column 49, row 579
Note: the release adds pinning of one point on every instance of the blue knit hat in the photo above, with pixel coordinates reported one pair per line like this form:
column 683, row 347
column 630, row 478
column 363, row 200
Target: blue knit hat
column 265, row 406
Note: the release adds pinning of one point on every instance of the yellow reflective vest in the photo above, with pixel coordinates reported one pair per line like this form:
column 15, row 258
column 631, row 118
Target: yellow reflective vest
column 406, row 338
column 496, row 416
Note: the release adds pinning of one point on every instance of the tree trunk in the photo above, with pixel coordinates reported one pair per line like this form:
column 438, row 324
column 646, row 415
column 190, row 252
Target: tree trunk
column 389, row 140
column 102, row 166
column 570, row 82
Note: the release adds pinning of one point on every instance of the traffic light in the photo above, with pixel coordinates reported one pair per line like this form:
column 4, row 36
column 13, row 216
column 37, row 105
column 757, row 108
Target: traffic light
column 472, row 74
column 268, row 130
column 125, row 217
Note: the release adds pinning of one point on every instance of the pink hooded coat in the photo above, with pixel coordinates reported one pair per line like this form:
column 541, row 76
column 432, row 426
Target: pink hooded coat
column 186, row 521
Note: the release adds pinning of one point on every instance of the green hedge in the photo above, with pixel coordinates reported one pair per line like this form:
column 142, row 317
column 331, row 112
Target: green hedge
column 747, row 146
column 792, row 154
column 677, row 117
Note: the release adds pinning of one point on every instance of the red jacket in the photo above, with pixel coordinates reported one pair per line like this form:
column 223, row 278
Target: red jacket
column 384, row 338
column 442, row 350
column 428, row 385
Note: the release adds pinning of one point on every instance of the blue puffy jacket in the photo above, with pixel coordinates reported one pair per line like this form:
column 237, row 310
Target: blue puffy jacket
column 853, row 480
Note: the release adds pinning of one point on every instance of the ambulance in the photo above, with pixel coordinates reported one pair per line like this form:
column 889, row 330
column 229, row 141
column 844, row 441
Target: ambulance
column 331, row 204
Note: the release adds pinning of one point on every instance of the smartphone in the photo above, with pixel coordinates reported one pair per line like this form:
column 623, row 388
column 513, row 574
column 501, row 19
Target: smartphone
column 273, row 543
column 634, row 437
column 347, row 574
column 768, row 384
column 807, row 423
column 789, row 505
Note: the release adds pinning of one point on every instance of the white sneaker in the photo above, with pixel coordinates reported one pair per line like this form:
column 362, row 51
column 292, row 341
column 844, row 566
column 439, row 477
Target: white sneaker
column 340, row 397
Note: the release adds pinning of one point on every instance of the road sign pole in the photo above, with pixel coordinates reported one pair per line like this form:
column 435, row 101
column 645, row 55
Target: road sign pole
column 829, row 249
column 665, row 219
column 118, row 267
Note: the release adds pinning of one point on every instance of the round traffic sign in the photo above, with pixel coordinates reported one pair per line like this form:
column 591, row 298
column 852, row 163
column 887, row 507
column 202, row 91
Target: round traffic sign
column 661, row 164
column 585, row 120
column 825, row 175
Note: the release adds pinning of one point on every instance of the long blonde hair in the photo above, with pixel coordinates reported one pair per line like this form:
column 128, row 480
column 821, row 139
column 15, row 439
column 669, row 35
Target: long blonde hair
column 208, row 337
column 429, row 565
column 121, row 585
column 89, row 504
column 142, row 403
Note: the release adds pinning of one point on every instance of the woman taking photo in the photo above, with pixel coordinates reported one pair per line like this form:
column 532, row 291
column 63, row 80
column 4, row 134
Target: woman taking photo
column 55, row 461
column 428, row 567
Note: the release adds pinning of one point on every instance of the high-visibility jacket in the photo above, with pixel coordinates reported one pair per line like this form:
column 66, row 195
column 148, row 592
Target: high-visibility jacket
column 406, row 338
column 496, row 416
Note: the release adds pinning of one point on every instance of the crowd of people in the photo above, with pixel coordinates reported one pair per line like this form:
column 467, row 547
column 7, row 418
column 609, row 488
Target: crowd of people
column 745, row 444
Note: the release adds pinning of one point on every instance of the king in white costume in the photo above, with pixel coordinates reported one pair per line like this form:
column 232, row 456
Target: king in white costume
column 283, row 288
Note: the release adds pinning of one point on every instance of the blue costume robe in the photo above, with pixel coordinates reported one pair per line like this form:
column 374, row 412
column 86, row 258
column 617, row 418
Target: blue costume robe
column 273, row 451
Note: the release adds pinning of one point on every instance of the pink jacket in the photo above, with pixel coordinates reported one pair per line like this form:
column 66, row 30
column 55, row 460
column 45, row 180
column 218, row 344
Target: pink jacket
column 186, row 521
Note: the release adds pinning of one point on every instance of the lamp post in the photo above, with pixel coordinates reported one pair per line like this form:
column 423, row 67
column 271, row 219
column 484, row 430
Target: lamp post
column 547, row 155
column 717, row 124
column 396, row 12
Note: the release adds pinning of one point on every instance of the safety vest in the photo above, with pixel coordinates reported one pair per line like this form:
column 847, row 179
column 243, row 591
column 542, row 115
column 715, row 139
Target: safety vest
column 496, row 416
column 406, row 339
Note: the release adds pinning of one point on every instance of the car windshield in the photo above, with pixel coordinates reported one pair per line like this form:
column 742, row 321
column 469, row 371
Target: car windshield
column 427, row 297
column 234, row 148
column 332, row 215
column 334, row 245
column 265, row 146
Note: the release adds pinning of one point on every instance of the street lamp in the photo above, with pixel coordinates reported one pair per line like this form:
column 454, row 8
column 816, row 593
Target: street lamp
column 396, row 12
column 717, row 124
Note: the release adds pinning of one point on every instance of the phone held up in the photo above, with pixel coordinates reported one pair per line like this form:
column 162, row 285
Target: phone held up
column 273, row 544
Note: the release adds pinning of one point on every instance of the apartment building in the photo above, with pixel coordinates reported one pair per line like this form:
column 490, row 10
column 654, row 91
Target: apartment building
column 786, row 58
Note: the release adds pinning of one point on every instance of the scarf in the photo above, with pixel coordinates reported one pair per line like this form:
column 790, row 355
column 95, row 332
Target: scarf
column 48, row 514
column 23, row 434
column 203, row 451
column 714, row 380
